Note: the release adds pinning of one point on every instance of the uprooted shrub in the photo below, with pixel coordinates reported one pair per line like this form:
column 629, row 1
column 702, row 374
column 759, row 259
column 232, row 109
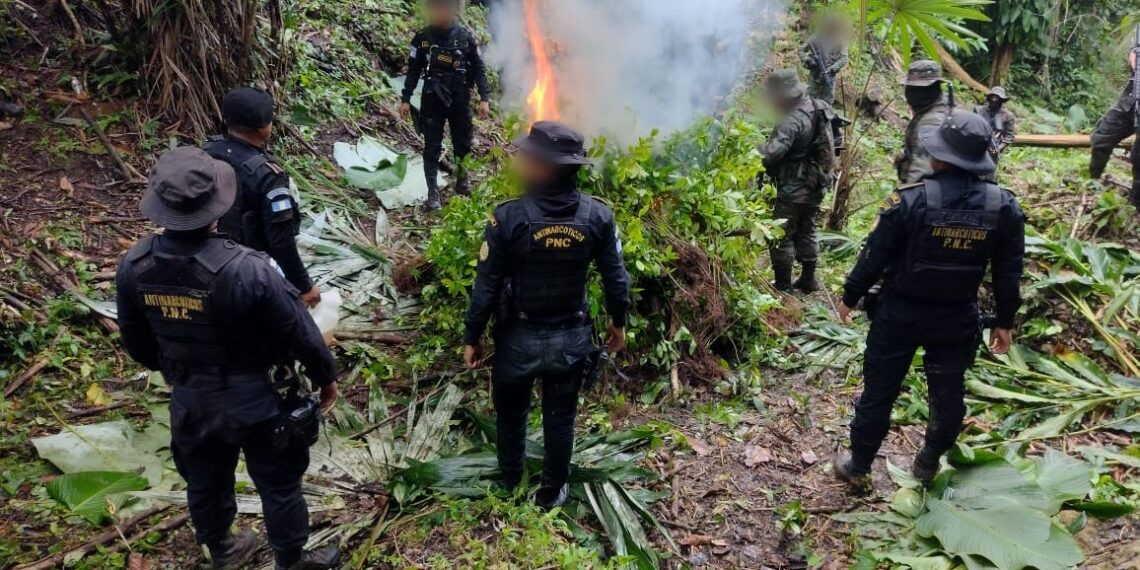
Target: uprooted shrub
column 694, row 229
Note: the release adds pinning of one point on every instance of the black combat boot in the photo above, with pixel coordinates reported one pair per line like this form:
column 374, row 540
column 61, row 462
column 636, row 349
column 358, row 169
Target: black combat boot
column 926, row 465
column 550, row 497
column 462, row 186
column 783, row 278
column 233, row 552
column 320, row 559
column 847, row 471
column 807, row 282
column 433, row 202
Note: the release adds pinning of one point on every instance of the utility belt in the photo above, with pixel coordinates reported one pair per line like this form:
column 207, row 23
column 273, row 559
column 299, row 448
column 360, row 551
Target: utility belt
column 509, row 313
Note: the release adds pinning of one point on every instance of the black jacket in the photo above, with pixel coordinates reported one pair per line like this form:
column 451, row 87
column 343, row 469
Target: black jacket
column 418, row 61
column 508, row 228
column 250, row 301
column 902, row 214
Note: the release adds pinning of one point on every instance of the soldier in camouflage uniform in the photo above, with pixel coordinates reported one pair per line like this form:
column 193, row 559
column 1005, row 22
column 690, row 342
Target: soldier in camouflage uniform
column 1001, row 120
column 800, row 158
column 930, row 108
column 1116, row 125
column 825, row 55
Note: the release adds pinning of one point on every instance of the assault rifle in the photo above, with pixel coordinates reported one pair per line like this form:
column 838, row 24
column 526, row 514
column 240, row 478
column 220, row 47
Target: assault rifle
column 821, row 64
column 1136, row 78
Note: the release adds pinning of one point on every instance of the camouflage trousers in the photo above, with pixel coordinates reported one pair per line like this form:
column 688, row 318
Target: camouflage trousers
column 799, row 242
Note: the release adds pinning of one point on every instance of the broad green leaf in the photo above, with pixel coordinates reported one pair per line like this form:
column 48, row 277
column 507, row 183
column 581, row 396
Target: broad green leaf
column 86, row 494
column 1110, row 456
column 1064, row 478
column 996, row 393
column 1010, row 535
column 907, row 502
column 994, row 484
column 1102, row 509
column 1057, row 424
column 921, row 562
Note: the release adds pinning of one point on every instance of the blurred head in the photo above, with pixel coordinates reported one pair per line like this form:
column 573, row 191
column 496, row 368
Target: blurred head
column 535, row 171
column 442, row 13
column 248, row 113
column 834, row 25
column 962, row 142
column 188, row 190
column 551, row 153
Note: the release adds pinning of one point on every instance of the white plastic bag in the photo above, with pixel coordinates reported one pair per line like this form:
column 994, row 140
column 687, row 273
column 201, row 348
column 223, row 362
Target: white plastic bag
column 327, row 313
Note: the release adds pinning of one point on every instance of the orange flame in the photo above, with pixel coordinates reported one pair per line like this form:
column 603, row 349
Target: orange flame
column 542, row 102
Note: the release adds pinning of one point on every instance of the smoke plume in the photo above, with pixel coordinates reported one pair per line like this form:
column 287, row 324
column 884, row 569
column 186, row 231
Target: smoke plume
column 626, row 67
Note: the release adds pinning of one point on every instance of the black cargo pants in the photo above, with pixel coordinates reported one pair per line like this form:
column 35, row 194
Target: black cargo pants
column 950, row 335
column 434, row 116
column 525, row 353
column 212, row 421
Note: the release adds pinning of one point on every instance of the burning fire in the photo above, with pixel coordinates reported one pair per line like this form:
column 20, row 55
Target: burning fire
column 542, row 102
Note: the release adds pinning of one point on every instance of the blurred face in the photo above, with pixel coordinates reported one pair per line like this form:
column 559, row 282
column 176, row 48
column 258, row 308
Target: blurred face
column 994, row 100
column 440, row 15
column 532, row 170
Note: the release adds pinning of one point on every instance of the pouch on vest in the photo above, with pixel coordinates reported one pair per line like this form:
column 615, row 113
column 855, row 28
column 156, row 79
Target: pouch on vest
column 549, row 281
column 951, row 248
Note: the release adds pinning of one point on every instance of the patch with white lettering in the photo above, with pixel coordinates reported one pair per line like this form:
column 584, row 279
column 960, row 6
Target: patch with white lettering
column 558, row 237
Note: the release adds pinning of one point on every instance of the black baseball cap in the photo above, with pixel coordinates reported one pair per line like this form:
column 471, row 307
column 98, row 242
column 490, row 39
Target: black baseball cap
column 248, row 107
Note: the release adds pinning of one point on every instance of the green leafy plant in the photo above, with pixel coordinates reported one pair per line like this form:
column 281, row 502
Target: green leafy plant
column 93, row 494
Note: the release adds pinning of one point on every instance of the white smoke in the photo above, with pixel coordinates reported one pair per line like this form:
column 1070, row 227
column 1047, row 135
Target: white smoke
column 627, row 67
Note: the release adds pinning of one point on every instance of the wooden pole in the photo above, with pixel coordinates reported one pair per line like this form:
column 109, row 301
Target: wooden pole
column 1062, row 141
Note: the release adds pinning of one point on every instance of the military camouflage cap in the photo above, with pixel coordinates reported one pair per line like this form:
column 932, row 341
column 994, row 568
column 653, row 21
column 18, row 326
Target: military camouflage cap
column 923, row 73
column 1000, row 92
column 784, row 84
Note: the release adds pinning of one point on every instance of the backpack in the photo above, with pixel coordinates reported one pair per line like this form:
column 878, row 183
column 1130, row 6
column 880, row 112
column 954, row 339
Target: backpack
column 819, row 157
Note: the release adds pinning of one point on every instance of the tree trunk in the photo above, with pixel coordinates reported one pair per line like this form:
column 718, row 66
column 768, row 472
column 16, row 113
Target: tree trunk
column 1003, row 60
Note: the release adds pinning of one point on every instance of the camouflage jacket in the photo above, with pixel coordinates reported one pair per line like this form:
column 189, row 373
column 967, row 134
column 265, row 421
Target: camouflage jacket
column 913, row 164
column 787, row 151
column 1004, row 125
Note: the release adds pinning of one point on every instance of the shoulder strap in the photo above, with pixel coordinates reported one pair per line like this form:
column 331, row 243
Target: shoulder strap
column 933, row 194
column 993, row 197
column 218, row 253
column 585, row 209
column 141, row 249
column 254, row 163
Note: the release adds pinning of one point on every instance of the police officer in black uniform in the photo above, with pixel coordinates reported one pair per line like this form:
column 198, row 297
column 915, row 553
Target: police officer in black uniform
column 215, row 317
column 932, row 244
column 532, row 276
column 446, row 56
column 265, row 215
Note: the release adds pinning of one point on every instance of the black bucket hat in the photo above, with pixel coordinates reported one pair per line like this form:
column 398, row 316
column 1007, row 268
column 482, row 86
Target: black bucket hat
column 188, row 190
column 923, row 73
column 555, row 143
column 964, row 141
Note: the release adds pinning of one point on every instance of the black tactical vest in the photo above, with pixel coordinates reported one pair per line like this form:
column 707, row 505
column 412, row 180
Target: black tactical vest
column 550, row 266
column 243, row 222
column 176, row 294
column 948, row 252
column 448, row 62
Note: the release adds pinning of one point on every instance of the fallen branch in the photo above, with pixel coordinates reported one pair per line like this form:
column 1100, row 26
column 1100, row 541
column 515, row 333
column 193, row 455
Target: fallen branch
column 382, row 338
column 56, row 560
column 1062, row 141
column 86, row 413
column 393, row 417
column 958, row 71
column 128, row 171
column 32, row 370
column 74, row 22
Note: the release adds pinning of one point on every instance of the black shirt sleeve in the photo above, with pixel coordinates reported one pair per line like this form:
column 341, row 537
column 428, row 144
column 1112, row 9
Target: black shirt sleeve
column 138, row 337
column 882, row 247
column 281, row 232
column 615, row 278
column 1009, row 263
column 286, row 321
column 416, row 59
column 478, row 69
column 488, row 283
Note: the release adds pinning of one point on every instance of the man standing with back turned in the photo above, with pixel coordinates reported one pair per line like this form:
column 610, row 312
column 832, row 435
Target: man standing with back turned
column 446, row 56
column 215, row 318
column 932, row 244
column 265, row 216
column 532, row 275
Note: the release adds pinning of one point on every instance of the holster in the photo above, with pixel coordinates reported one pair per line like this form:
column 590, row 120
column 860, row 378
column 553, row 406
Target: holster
column 592, row 367
column 504, row 309
column 870, row 302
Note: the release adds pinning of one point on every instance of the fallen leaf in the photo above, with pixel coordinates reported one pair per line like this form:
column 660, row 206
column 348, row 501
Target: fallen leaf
column 696, row 540
column 5, row 125
column 809, row 457
column 755, row 455
column 699, row 446
column 65, row 185
column 96, row 396
column 137, row 561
